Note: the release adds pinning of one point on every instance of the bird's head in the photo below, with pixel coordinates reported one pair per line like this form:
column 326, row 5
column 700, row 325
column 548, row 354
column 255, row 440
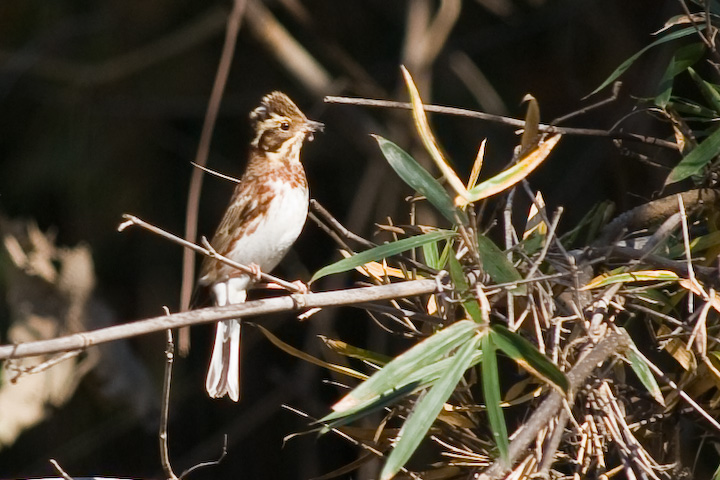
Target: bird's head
column 280, row 127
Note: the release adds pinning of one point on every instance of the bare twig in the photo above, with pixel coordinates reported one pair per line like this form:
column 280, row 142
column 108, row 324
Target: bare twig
column 210, row 463
column 133, row 220
column 60, row 470
column 337, row 226
column 513, row 122
column 217, row 174
column 165, row 409
column 613, row 96
column 352, row 296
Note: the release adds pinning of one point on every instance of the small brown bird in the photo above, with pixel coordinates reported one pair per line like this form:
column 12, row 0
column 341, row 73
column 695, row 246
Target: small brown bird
column 265, row 216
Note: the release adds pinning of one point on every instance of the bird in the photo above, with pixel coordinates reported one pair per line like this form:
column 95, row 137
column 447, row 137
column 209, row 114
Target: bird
column 266, row 214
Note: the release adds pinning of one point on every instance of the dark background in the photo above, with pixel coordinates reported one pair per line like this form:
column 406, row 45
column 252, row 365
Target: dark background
column 84, row 138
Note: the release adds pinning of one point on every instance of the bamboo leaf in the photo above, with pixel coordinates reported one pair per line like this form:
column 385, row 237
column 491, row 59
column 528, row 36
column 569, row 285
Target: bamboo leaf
column 532, row 124
column 428, row 407
column 639, row 276
column 627, row 63
column 381, row 251
column 420, row 180
column 347, row 350
column 427, row 137
column 308, row 358
column 512, row 175
column 431, row 255
column 708, row 90
column 414, row 382
column 491, row 392
column 496, row 264
column 429, row 351
column 528, row 357
column 477, row 165
column 643, row 372
column 682, row 60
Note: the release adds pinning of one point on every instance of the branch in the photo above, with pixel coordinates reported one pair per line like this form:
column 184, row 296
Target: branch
column 288, row 303
column 131, row 220
column 513, row 122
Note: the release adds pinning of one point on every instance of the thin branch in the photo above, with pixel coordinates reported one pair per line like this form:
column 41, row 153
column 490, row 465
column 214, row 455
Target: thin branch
column 290, row 303
column 513, row 122
column 133, row 220
column 217, row 174
column 165, row 408
column 60, row 469
column 614, row 94
column 210, row 463
column 337, row 226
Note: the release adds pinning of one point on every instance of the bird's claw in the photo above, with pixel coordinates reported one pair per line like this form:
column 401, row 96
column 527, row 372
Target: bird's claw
column 255, row 271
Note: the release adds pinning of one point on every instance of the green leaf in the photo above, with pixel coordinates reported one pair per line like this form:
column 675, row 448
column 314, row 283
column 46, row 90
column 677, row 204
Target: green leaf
column 431, row 255
column 683, row 59
column 428, row 407
column 642, row 370
column 528, row 357
column 708, row 90
column 698, row 244
column 692, row 110
column 427, row 352
column 380, row 252
column 414, row 382
column 697, row 159
column 496, row 264
column 627, row 63
column 491, row 392
column 469, row 301
column 420, row 180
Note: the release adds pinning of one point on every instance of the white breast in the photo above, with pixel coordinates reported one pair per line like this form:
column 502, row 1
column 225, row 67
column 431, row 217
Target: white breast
column 278, row 230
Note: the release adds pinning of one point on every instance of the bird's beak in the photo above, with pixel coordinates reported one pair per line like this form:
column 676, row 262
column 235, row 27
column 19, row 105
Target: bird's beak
column 312, row 126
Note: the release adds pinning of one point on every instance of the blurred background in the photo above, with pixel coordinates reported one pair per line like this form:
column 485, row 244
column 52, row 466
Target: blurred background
column 101, row 109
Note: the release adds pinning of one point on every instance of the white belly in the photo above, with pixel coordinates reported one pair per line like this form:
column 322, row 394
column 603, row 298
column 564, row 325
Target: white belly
column 278, row 230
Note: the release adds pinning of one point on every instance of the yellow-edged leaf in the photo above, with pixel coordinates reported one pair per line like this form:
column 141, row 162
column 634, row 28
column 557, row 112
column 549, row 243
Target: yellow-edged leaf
column 427, row 137
column 688, row 285
column 509, row 177
column 535, row 222
column 639, row 276
column 477, row 166
column 308, row 358
column 532, row 124
column 376, row 269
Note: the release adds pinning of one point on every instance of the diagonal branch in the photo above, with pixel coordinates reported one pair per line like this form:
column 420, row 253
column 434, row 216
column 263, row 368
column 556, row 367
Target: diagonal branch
column 290, row 303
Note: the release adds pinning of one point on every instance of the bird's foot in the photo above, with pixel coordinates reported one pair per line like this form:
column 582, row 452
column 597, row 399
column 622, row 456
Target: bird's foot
column 302, row 287
column 255, row 271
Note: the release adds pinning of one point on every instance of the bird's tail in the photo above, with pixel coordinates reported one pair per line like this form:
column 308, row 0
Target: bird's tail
column 223, row 376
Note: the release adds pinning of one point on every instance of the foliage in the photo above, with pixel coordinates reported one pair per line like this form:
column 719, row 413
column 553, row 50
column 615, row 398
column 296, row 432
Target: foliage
column 551, row 306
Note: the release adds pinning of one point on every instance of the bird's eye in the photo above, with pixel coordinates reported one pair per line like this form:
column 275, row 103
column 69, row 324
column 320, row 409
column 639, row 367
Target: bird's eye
column 285, row 126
